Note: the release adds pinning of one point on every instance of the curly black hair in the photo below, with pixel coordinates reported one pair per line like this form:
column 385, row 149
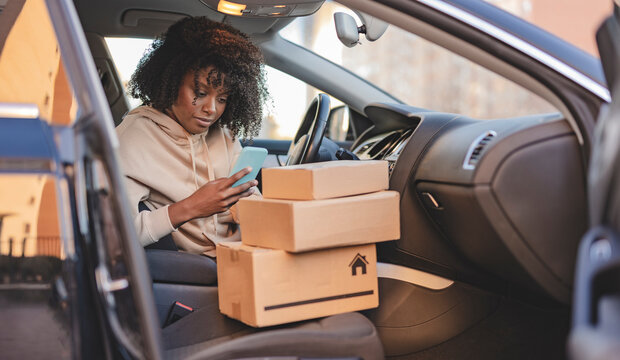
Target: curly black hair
column 197, row 43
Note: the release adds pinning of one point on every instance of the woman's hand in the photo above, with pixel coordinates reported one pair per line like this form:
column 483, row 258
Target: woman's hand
column 213, row 197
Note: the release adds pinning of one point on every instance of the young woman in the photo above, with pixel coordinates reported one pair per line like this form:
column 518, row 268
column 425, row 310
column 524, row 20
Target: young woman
column 202, row 85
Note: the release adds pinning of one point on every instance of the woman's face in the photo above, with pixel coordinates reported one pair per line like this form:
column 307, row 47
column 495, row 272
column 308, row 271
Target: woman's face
column 196, row 111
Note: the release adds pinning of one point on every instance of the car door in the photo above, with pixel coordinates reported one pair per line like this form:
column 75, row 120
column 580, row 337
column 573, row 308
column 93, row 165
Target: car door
column 596, row 320
column 68, row 289
column 42, row 306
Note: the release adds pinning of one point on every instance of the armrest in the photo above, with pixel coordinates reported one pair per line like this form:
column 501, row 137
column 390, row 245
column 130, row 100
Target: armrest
column 181, row 268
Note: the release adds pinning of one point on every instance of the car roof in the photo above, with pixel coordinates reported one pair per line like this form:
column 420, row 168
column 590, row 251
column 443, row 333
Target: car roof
column 149, row 18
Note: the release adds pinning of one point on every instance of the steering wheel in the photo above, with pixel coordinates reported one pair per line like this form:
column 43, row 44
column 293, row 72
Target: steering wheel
column 309, row 136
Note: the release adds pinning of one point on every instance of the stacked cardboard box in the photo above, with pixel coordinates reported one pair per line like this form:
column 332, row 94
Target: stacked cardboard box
column 308, row 247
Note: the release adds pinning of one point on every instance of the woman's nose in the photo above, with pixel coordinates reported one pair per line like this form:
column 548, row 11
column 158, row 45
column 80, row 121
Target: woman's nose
column 208, row 106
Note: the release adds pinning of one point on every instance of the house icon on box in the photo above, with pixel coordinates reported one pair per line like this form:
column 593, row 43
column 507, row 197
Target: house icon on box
column 359, row 261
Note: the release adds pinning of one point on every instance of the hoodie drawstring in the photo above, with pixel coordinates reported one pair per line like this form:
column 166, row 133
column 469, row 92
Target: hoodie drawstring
column 209, row 165
column 211, row 176
column 193, row 156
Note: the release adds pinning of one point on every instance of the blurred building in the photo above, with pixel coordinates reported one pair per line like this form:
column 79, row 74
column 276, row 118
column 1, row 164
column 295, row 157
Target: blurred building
column 575, row 21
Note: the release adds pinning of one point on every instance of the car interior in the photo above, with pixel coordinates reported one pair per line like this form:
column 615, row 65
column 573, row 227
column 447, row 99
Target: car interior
column 492, row 207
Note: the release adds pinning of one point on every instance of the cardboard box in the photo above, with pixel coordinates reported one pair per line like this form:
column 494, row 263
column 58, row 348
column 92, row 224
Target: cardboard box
column 298, row 226
column 263, row 287
column 325, row 180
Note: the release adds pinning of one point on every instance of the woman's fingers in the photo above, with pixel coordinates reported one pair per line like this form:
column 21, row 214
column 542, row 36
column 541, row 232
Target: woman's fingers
column 233, row 199
column 233, row 191
column 227, row 183
column 236, row 176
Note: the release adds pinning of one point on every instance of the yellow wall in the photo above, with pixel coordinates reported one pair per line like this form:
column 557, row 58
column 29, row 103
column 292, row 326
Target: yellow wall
column 29, row 206
column 31, row 70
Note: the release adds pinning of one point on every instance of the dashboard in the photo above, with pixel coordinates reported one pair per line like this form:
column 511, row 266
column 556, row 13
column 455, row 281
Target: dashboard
column 497, row 203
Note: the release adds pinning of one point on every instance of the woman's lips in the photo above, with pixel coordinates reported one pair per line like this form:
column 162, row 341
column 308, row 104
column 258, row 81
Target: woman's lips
column 204, row 121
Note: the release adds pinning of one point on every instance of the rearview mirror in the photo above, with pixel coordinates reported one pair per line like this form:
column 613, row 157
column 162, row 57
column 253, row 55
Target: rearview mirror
column 348, row 32
column 346, row 29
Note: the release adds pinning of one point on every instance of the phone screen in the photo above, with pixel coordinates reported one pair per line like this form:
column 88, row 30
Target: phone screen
column 250, row 156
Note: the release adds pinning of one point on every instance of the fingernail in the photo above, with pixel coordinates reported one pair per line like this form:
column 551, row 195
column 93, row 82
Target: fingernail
column 249, row 168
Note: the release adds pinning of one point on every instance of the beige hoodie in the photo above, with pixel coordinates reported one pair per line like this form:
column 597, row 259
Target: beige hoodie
column 164, row 164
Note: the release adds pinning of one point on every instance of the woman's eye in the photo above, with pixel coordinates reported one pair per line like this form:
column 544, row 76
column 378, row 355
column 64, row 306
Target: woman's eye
column 222, row 100
column 201, row 94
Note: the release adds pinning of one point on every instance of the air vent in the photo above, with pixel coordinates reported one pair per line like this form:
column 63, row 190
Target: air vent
column 474, row 153
column 382, row 147
column 366, row 147
column 398, row 146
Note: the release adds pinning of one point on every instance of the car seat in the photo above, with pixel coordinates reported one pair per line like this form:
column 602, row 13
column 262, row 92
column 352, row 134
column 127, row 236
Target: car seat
column 206, row 333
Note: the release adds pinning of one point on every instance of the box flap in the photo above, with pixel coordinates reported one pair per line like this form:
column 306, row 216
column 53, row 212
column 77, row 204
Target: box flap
column 327, row 164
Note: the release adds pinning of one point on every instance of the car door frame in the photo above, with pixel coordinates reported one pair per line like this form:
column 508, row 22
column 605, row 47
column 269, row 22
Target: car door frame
column 94, row 130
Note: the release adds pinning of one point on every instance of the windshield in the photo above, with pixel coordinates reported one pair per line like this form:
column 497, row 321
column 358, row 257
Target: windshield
column 411, row 69
column 417, row 72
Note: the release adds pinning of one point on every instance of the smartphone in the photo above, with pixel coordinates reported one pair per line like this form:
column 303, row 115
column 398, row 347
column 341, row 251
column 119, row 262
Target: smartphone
column 250, row 156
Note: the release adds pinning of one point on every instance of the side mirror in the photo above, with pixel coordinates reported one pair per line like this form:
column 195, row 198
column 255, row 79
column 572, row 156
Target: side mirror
column 338, row 123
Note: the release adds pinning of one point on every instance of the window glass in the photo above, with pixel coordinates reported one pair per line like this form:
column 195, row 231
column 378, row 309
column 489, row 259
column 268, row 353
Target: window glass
column 31, row 69
column 289, row 97
column 29, row 224
column 416, row 71
column 289, row 100
column 32, row 252
column 575, row 21
column 126, row 53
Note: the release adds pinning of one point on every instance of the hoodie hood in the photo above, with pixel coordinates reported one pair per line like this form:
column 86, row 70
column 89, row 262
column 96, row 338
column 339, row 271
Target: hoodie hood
column 178, row 134
column 173, row 129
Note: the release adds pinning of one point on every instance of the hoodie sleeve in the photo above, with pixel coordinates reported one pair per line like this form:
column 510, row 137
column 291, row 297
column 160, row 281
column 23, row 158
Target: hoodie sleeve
column 151, row 225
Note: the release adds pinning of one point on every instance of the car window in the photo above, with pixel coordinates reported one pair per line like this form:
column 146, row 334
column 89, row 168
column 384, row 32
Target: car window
column 126, row 53
column 289, row 96
column 36, row 239
column 289, row 100
column 33, row 247
column 417, row 71
column 561, row 20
